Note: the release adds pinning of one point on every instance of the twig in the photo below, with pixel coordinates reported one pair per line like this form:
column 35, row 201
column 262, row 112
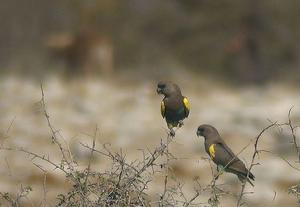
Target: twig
column 192, row 199
column 90, row 160
column 277, row 155
column 255, row 153
column 52, row 129
column 292, row 128
column 10, row 125
column 37, row 156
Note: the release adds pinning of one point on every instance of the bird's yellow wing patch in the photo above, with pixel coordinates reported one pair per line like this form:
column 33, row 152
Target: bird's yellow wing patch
column 162, row 109
column 212, row 151
column 186, row 104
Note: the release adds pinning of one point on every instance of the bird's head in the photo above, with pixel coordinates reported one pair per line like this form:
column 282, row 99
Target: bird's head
column 206, row 130
column 167, row 88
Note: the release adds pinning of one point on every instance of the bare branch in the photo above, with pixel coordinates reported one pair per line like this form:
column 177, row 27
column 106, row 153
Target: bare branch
column 255, row 153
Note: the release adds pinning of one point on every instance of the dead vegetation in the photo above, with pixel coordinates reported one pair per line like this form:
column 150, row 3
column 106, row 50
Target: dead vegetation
column 125, row 183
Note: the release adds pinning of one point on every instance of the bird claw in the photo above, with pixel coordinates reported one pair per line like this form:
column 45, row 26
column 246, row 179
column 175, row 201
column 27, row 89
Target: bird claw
column 172, row 133
column 180, row 123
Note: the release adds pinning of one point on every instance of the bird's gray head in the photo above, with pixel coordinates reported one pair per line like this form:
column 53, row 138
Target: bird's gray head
column 206, row 130
column 167, row 88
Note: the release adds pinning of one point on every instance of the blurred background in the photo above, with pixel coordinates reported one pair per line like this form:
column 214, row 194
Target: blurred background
column 99, row 61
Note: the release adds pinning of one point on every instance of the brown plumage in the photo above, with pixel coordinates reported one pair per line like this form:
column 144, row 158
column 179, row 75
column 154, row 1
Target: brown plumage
column 222, row 155
column 174, row 106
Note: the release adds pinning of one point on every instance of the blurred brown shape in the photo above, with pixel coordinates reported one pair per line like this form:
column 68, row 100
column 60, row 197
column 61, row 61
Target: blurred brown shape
column 245, row 48
column 86, row 52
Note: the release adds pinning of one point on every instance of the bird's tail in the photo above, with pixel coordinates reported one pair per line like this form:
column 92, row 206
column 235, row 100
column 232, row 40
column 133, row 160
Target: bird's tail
column 251, row 176
column 249, row 181
column 247, row 178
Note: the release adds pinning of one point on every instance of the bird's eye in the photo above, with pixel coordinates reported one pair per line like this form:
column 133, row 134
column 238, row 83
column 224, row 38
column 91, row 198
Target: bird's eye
column 161, row 85
column 201, row 129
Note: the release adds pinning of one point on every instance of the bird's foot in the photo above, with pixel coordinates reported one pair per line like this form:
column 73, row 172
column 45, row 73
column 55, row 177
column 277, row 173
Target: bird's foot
column 172, row 133
column 220, row 169
column 180, row 123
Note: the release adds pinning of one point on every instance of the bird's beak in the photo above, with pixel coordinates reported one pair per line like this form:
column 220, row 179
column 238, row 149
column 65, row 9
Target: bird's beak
column 198, row 133
column 159, row 90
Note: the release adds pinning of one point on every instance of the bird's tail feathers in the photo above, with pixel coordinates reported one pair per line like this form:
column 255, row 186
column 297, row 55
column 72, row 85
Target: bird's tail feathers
column 249, row 181
column 251, row 176
column 243, row 178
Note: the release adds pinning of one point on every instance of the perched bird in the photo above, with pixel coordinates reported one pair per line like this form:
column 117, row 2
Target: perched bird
column 222, row 155
column 174, row 106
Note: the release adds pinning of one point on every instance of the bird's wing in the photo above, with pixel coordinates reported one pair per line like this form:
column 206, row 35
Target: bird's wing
column 226, row 158
column 221, row 155
column 186, row 105
column 163, row 108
